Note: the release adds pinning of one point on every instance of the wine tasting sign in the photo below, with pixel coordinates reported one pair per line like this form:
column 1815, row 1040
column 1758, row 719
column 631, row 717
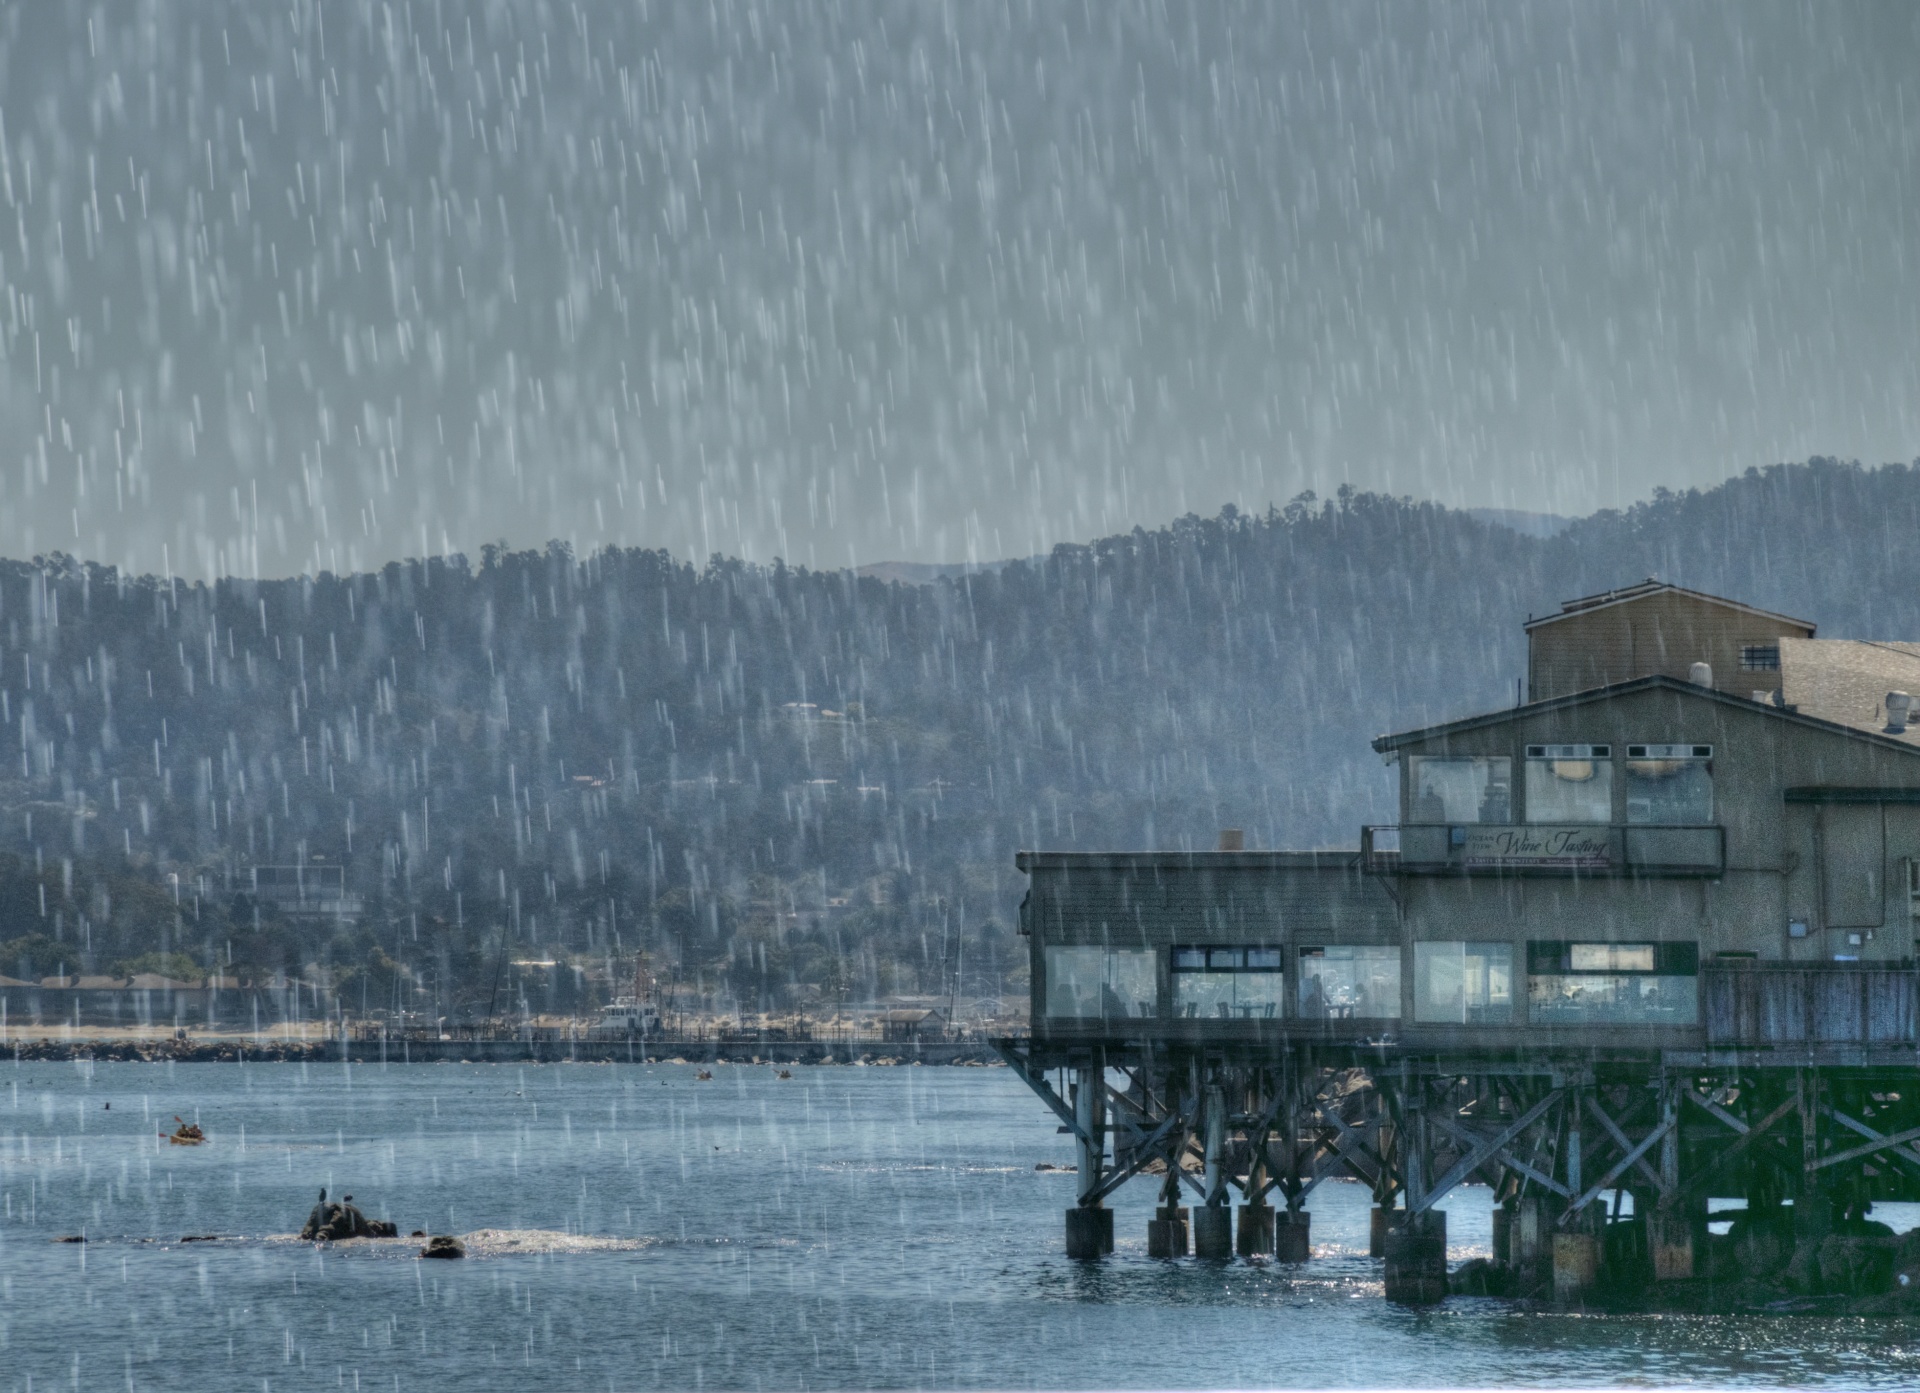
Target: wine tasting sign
column 1534, row 846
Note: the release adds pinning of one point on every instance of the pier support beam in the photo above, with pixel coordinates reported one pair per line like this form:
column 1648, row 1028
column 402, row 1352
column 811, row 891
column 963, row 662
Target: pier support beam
column 1416, row 1253
column 1379, row 1220
column 1167, row 1232
column 1293, row 1236
column 1255, row 1239
column 1213, row 1221
column 1670, row 1237
column 1576, row 1264
column 1090, row 1223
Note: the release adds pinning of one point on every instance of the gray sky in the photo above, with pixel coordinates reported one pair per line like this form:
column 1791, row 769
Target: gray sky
column 304, row 286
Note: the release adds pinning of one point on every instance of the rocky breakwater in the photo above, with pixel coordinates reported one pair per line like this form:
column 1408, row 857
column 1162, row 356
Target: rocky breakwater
column 1764, row 1263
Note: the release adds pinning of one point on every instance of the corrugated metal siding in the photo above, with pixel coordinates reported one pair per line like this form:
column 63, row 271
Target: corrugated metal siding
column 1768, row 1004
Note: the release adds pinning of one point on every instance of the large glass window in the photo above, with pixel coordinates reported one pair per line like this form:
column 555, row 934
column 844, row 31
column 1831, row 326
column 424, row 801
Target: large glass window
column 1670, row 785
column 1227, row 983
column 1478, row 788
column 1569, row 783
column 1463, row 983
column 1344, row 982
column 1100, row 983
column 1613, row 983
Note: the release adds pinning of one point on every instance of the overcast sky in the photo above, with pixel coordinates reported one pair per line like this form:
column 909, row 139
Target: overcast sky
column 293, row 287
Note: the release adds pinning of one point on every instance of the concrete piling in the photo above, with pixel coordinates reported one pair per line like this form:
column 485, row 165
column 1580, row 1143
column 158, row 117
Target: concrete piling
column 1089, row 1232
column 1576, row 1266
column 1416, row 1259
column 1293, row 1232
column 1213, row 1232
column 1167, row 1232
column 1380, row 1221
column 1502, row 1235
column 1255, row 1238
column 1670, row 1245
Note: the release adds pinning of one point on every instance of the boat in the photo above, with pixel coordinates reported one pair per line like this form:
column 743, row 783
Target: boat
column 627, row 1017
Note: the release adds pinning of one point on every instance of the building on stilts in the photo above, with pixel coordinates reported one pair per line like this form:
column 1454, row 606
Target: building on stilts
column 1645, row 939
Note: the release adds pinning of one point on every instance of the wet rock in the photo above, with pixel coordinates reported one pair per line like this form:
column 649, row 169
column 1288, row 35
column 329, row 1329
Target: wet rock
column 1856, row 1264
column 329, row 1223
column 444, row 1245
column 1481, row 1277
column 1802, row 1272
column 71, row 1238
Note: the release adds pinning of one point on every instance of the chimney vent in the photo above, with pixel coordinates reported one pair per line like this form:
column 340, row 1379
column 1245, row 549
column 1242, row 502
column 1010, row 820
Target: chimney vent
column 1701, row 674
column 1899, row 707
column 1232, row 839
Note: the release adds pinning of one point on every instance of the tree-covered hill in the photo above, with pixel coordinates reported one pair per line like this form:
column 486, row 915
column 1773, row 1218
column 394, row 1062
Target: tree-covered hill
column 794, row 785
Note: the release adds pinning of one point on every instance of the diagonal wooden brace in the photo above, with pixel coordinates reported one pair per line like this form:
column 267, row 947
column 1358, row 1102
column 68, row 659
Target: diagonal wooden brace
column 1042, row 1089
column 1619, row 1168
column 1504, row 1156
column 1904, row 1153
column 1620, row 1137
column 1145, row 1152
column 1854, row 1153
column 1483, row 1152
column 1746, row 1139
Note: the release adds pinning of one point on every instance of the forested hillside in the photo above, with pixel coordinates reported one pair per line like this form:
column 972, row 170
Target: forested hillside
column 787, row 785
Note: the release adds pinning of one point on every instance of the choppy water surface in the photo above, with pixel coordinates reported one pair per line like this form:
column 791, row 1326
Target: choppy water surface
column 638, row 1228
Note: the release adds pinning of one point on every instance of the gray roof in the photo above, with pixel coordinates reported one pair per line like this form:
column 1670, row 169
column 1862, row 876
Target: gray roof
column 1330, row 860
column 1846, row 680
column 1386, row 743
column 1586, row 604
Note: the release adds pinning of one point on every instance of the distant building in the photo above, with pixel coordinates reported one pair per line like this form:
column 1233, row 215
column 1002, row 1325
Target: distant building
column 305, row 891
column 917, row 1023
column 1656, row 629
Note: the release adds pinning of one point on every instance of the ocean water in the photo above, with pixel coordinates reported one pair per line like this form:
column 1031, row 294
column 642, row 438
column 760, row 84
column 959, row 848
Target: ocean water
column 635, row 1227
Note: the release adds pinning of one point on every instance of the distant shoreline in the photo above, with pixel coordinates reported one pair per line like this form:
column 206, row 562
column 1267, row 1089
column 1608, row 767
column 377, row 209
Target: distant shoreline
column 966, row 1054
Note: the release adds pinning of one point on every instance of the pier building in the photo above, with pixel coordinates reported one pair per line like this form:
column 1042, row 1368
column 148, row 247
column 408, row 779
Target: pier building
column 1630, row 945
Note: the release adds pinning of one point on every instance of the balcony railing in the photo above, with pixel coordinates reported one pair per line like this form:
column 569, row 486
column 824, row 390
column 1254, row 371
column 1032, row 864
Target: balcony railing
column 1503, row 848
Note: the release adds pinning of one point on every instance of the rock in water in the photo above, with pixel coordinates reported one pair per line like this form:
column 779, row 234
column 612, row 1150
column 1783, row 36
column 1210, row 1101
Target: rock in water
column 321, row 1220
column 444, row 1245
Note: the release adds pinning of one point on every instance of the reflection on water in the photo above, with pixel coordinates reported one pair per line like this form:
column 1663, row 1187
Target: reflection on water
column 633, row 1227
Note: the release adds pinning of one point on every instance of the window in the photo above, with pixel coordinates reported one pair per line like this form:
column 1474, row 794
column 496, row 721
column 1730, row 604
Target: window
column 1670, row 785
column 1463, row 983
column 1227, row 983
column 1613, row 983
column 1100, row 983
column 1478, row 788
column 1342, row 982
column 1569, row 783
column 1760, row 657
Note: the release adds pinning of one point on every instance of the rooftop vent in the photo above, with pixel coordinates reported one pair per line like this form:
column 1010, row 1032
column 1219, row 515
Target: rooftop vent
column 1899, row 707
column 1232, row 839
column 1701, row 674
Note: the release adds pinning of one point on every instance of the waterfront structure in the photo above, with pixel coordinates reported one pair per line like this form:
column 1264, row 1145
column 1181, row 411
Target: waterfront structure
column 1650, row 938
